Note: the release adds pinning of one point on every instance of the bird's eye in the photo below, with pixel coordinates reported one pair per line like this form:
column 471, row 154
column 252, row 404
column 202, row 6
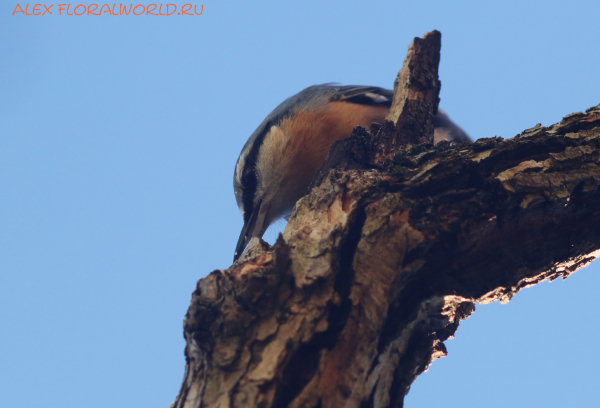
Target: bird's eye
column 249, row 177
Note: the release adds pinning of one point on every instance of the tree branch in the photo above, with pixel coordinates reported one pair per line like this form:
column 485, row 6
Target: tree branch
column 395, row 244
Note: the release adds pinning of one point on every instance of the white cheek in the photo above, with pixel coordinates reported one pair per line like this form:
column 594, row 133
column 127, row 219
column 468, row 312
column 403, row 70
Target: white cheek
column 238, row 169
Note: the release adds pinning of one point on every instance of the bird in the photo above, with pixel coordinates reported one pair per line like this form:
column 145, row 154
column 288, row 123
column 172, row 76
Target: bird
column 279, row 160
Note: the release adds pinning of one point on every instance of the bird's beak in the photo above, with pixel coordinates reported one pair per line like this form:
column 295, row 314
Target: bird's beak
column 250, row 230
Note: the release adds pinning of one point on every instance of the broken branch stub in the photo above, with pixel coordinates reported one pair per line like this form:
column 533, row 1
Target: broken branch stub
column 410, row 122
column 416, row 94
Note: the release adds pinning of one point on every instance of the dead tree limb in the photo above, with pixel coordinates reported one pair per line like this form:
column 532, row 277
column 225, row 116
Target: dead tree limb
column 395, row 244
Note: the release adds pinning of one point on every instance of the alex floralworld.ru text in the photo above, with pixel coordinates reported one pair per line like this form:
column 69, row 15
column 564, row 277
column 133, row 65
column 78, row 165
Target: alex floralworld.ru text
column 96, row 10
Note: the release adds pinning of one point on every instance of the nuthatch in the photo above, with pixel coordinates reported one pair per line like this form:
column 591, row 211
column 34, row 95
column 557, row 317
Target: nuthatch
column 283, row 154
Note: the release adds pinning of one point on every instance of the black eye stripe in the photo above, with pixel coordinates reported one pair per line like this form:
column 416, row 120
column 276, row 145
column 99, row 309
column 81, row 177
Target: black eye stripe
column 247, row 176
column 249, row 179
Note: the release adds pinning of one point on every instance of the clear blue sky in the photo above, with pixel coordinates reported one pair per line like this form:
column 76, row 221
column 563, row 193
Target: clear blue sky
column 118, row 138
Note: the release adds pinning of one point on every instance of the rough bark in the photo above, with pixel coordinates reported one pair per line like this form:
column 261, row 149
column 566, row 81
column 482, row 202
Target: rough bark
column 390, row 250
